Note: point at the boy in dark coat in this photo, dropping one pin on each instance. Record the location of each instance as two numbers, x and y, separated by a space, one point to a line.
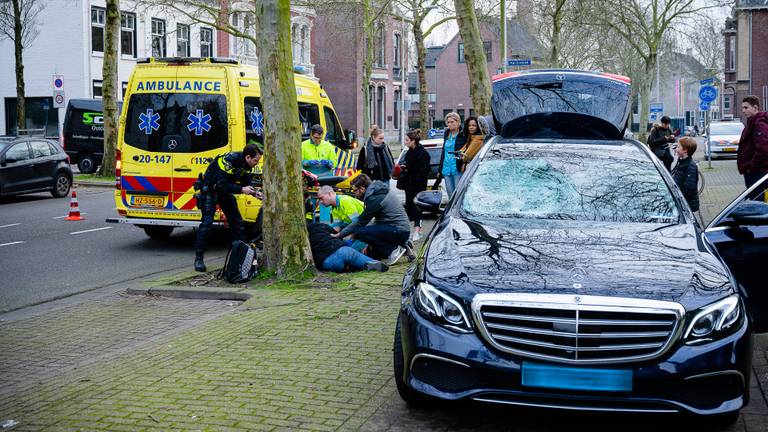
332 254
686 173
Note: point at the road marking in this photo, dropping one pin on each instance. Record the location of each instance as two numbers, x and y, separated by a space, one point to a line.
11 243
9 225
91 230
62 217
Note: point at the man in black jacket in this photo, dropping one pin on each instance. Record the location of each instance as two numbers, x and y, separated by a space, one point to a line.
332 254
686 173
226 175
659 140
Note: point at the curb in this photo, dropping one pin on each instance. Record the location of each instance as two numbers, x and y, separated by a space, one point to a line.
99 184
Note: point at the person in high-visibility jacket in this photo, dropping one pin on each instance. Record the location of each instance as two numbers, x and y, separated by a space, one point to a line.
344 208
317 154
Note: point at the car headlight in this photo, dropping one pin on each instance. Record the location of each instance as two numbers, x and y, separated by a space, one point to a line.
439 307
714 321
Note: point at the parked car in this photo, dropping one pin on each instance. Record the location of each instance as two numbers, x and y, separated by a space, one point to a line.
723 138
29 164
435 149
83 137
568 271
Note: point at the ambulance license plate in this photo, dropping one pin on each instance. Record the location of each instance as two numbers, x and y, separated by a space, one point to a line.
148 201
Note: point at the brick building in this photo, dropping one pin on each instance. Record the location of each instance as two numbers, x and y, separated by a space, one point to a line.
746 55
448 78
338 49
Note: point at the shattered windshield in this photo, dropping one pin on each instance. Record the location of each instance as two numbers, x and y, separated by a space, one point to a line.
569 185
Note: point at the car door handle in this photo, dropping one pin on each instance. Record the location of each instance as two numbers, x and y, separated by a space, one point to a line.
183 169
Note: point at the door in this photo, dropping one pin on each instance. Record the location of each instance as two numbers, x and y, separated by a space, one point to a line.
43 164
740 234
16 170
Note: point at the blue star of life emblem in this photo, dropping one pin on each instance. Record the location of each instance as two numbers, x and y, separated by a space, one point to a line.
257 121
148 121
199 122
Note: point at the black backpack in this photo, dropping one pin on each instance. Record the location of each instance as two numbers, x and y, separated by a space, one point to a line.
240 264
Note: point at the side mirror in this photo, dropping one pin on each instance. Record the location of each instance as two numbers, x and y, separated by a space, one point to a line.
2 160
429 201
754 213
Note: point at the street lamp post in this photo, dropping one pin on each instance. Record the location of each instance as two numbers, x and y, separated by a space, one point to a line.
403 81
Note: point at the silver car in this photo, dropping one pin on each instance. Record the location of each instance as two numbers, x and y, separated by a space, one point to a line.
723 138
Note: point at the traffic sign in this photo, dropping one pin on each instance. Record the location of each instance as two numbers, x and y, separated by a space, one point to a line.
656 107
58 98
707 93
704 106
518 62
653 116
708 81
58 82
431 133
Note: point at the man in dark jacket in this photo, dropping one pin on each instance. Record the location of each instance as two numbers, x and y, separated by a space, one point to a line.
331 254
686 173
388 236
752 159
226 175
659 140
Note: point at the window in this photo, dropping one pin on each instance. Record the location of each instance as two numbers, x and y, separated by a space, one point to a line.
250 49
309 115
396 51
40 115
97 88
461 52
379 47
128 34
124 89
380 107
396 110
488 50
333 132
371 106
194 122
460 112
446 112
98 18
40 149
158 38
17 153
727 102
732 53
206 42
182 40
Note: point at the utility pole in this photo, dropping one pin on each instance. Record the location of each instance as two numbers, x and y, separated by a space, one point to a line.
403 80
503 27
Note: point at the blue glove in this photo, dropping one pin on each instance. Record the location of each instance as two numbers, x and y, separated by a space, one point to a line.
326 164
311 163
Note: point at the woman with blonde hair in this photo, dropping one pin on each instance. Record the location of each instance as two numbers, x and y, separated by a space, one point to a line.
375 160
453 140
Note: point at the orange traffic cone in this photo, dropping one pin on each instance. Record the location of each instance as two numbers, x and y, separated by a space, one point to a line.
74 209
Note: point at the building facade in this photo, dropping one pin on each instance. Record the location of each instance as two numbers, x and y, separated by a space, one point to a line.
746 56
76 55
338 47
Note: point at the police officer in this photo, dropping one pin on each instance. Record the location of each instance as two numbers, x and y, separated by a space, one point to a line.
227 175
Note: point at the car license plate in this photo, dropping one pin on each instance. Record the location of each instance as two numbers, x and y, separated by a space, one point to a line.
148 201
730 149
576 378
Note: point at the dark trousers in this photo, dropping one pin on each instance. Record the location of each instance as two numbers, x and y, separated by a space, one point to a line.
414 214
228 205
382 239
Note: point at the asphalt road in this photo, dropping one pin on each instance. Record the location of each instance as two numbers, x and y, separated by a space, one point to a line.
43 257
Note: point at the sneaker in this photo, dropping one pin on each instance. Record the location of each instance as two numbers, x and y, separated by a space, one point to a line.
376 266
410 251
395 255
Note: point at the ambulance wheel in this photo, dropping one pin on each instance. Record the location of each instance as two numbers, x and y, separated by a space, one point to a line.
86 164
158 232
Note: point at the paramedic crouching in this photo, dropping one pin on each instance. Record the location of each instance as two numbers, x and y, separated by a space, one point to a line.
227 175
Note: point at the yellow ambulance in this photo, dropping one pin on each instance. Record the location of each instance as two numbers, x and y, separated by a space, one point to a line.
181 113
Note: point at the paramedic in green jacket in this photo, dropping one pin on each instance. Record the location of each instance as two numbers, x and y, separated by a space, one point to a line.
344 208
317 154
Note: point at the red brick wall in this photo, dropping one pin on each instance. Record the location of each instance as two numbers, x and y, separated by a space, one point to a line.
759 55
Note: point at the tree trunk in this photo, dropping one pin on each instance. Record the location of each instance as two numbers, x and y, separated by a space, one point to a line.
370 36
109 89
474 56
645 95
21 106
421 59
286 244
557 19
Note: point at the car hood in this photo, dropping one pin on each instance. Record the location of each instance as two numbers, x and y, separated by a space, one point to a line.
649 261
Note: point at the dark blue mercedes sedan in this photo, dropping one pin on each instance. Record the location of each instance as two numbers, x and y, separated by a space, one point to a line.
567 270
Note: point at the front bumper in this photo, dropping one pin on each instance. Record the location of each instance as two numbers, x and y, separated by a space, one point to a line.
706 379
722 149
